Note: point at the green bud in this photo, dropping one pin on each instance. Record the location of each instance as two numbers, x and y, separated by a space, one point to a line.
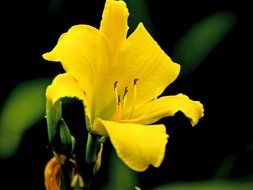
77 182
58 132
92 147
53 116
99 160
103 139
67 140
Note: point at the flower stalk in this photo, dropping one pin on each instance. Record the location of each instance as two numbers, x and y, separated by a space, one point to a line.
92 148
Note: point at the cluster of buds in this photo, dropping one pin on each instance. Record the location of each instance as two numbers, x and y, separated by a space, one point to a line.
62 169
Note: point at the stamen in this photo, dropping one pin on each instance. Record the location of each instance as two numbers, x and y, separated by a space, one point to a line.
115 84
118 102
124 98
116 98
148 110
125 92
116 92
134 97
118 111
136 80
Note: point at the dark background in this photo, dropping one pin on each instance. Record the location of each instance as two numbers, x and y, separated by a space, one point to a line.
31 28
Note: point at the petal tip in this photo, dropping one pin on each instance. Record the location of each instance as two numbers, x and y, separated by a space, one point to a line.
48 56
194 121
50 96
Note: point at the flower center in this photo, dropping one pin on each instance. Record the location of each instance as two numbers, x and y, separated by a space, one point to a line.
121 101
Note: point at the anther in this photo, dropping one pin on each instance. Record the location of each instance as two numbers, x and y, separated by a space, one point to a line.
135 81
118 100
134 97
115 84
124 98
116 92
125 92
118 109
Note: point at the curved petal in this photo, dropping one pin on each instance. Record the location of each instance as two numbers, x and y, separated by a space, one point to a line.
83 54
142 58
133 143
64 85
168 106
114 23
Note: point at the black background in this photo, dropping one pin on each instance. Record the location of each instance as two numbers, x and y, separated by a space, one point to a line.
31 28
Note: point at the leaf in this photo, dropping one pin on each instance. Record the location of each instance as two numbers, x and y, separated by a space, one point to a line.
209 185
24 106
201 39
226 166
139 13
120 176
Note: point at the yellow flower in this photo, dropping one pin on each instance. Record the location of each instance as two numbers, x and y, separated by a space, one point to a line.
119 79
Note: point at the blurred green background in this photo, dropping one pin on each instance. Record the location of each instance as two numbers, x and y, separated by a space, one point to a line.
204 37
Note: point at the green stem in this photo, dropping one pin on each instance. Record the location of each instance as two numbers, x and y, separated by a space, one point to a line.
91 148
91 157
65 178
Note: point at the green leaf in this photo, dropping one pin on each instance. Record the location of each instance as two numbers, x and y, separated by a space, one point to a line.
120 176
226 166
24 106
139 13
201 39
209 185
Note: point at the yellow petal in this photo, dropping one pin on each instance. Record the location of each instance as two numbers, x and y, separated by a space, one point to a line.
137 145
83 54
114 23
168 106
142 58
64 85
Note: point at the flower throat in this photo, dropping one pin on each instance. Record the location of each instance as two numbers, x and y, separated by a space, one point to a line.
121 101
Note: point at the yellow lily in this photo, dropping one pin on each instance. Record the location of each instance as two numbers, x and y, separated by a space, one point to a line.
119 79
